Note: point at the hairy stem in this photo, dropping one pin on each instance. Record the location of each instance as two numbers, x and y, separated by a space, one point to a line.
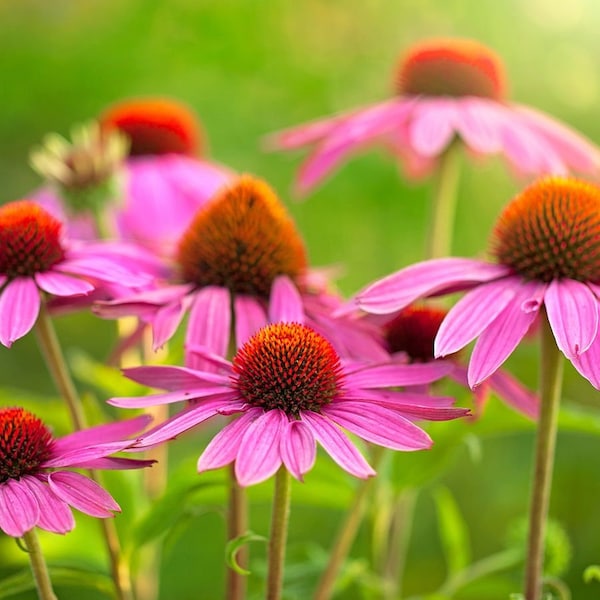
38 566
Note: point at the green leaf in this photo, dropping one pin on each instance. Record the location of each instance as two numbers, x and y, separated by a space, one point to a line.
591 573
453 531
234 545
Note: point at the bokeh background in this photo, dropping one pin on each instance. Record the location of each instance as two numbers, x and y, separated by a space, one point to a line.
249 68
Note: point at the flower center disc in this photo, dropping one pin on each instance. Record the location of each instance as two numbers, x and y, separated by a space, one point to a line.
241 240
552 230
413 331
29 239
24 443
287 366
156 126
453 67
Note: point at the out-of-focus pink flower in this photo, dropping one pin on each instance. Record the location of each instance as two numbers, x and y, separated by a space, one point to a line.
547 246
291 390
34 258
446 89
38 486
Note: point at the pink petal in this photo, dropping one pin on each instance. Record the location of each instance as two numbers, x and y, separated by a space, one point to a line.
572 312
588 363
175 378
55 514
209 324
183 395
116 463
477 125
19 508
378 424
337 445
433 126
285 304
250 316
258 456
514 393
223 448
103 269
471 315
62 285
165 322
19 309
398 374
80 456
83 494
302 135
423 279
298 449
497 342
187 419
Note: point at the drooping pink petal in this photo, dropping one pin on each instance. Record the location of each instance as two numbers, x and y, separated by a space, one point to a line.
298 448
223 448
250 316
209 324
285 304
187 419
503 335
514 393
304 134
398 374
165 322
174 378
398 400
19 509
19 309
433 125
423 279
55 514
337 444
572 312
109 432
62 285
259 456
80 456
222 365
588 363
116 463
477 124
471 315
378 424
104 270
183 395
83 494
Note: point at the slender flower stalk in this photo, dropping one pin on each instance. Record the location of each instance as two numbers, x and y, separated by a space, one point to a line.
443 203
279 529
551 372
237 525
57 366
38 566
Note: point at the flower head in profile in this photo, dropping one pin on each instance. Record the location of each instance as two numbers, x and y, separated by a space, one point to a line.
242 255
446 89
289 390
150 153
546 245
410 334
38 486
35 258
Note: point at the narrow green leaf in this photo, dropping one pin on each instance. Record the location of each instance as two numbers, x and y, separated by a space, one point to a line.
234 545
453 531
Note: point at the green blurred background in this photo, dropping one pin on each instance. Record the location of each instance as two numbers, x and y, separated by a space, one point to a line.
249 68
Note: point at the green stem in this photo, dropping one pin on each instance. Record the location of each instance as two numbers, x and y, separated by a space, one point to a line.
443 204
551 370
279 528
237 525
38 566
347 532
57 366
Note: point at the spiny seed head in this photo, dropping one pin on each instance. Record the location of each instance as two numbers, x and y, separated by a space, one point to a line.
155 126
551 230
25 443
30 239
287 366
242 240
413 331
451 67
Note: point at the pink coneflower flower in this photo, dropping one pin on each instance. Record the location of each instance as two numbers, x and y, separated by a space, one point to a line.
161 175
446 89
241 255
35 259
410 335
37 484
291 390
547 246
